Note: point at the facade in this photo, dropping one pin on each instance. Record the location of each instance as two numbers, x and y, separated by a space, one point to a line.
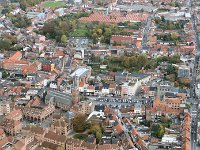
38 114
83 107
5 107
81 74
15 115
15 62
55 138
61 126
11 127
59 99
184 71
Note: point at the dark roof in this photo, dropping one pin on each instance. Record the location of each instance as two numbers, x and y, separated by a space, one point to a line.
99 108
169 94
106 85
55 136
153 88
49 145
91 139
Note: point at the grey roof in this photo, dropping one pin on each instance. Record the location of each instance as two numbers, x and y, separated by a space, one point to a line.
60 97
133 74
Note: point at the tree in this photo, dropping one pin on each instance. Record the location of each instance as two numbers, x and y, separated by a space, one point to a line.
158 130
59 148
5 45
63 39
174 36
162 18
133 61
96 129
142 60
79 123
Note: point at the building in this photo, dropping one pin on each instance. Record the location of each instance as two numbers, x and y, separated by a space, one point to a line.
115 17
15 115
184 71
82 107
59 99
61 126
37 113
38 132
186 128
72 144
11 127
5 107
53 140
121 39
15 62
81 74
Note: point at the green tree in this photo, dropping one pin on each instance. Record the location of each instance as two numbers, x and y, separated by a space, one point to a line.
79 123
59 148
142 60
96 129
162 18
133 61
63 39
158 130
5 45
125 61
174 36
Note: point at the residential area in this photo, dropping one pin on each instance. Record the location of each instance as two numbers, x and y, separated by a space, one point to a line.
96 75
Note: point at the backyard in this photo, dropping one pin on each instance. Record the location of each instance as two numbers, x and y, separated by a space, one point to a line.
53 4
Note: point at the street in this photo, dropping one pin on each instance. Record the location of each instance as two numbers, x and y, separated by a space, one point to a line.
194 100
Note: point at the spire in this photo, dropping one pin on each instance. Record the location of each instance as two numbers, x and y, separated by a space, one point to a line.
156 102
158 92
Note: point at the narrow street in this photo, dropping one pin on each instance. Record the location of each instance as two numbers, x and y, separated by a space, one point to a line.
146 30
194 99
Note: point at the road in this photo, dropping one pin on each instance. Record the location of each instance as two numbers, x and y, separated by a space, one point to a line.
146 30
194 100
126 131
119 102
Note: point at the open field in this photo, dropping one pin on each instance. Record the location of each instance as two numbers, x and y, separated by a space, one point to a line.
53 4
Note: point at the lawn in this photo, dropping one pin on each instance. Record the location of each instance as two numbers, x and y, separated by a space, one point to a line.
80 32
80 136
53 4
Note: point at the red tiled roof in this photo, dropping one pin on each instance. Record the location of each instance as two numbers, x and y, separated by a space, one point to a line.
116 17
118 129
1 131
134 132
16 56
121 38
81 84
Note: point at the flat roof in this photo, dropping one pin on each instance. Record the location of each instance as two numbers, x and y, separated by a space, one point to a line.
79 72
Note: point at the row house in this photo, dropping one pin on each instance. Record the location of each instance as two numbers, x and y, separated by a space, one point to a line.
115 17
15 115
167 106
11 127
72 144
62 126
2 134
26 141
9 64
38 132
186 132
54 138
82 107
15 62
5 107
